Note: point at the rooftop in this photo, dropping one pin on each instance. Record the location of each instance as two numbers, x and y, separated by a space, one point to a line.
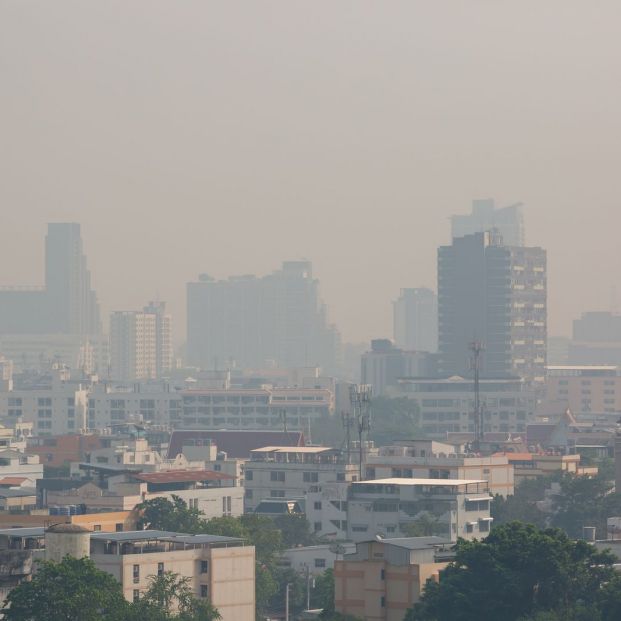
432 482
183 476
293 449
416 543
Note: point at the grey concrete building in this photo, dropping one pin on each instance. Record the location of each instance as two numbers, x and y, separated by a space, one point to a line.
415 320
249 321
494 294
508 221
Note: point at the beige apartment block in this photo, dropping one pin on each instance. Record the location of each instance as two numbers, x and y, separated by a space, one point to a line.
382 579
426 459
221 569
584 388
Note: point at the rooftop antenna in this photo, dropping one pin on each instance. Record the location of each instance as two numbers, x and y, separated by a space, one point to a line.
476 348
360 399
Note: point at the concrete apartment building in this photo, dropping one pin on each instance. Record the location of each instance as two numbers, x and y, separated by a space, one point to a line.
53 403
384 507
220 568
246 408
496 294
133 346
285 472
447 405
381 580
254 322
384 364
415 320
326 510
485 216
213 493
596 339
426 459
584 388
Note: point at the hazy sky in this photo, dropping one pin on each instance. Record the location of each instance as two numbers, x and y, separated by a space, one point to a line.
223 137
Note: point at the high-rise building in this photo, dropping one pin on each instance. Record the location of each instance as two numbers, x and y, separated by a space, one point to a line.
494 294
141 343
415 320
508 221
133 346
596 339
67 304
248 321
163 338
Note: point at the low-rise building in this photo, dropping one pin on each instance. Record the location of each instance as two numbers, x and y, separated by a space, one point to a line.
221 569
326 510
533 465
426 459
453 508
447 404
382 579
15 463
314 560
291 472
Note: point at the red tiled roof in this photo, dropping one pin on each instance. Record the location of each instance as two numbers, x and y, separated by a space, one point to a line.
182 476
236 444
13 480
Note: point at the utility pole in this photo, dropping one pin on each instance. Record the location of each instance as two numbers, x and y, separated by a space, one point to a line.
308 587
283 418
476 347
287 601
347 424
360 399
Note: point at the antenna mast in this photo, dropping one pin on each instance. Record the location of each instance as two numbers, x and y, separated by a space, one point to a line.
476 347
360 399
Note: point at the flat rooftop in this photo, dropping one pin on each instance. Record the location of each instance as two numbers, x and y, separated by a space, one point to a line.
434 482
293 449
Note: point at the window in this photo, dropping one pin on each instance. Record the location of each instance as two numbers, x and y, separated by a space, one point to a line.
136 595
97 527
383 601
136 573
370 473
204 567
320 562
160 569
340 476
310 477
277 476
317 527
249 475
248 494
119 527
204 590
277 493
469 527
483 526
317 505
383 574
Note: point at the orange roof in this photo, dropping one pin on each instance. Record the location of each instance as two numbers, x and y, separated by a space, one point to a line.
12 480
516 456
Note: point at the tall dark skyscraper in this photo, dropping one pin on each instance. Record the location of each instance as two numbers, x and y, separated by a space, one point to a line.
247 321
495 294
72 303
67 304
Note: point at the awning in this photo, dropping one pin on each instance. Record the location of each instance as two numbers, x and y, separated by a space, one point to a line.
475 498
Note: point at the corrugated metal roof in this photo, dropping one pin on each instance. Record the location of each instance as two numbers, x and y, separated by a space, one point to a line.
182 476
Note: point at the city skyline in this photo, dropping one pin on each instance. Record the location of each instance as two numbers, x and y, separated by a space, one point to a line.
353 154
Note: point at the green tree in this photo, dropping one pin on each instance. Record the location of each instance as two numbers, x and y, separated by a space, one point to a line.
170 598
72 590
425 525
226 526
265 589
323 593
172 515
295 530
517 571
264 536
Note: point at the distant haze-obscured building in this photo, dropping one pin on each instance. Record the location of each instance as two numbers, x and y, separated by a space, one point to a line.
246 321
415 320
384 365
596 339
508 221
494 294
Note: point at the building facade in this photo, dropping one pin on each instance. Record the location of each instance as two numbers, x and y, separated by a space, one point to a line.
133 346
447 405
253 322
415 320
508 221
285 472
387 507
494 294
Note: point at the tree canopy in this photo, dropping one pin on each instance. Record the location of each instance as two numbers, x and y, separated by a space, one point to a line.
520 572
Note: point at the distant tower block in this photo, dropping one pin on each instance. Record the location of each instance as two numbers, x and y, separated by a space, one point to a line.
67 540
